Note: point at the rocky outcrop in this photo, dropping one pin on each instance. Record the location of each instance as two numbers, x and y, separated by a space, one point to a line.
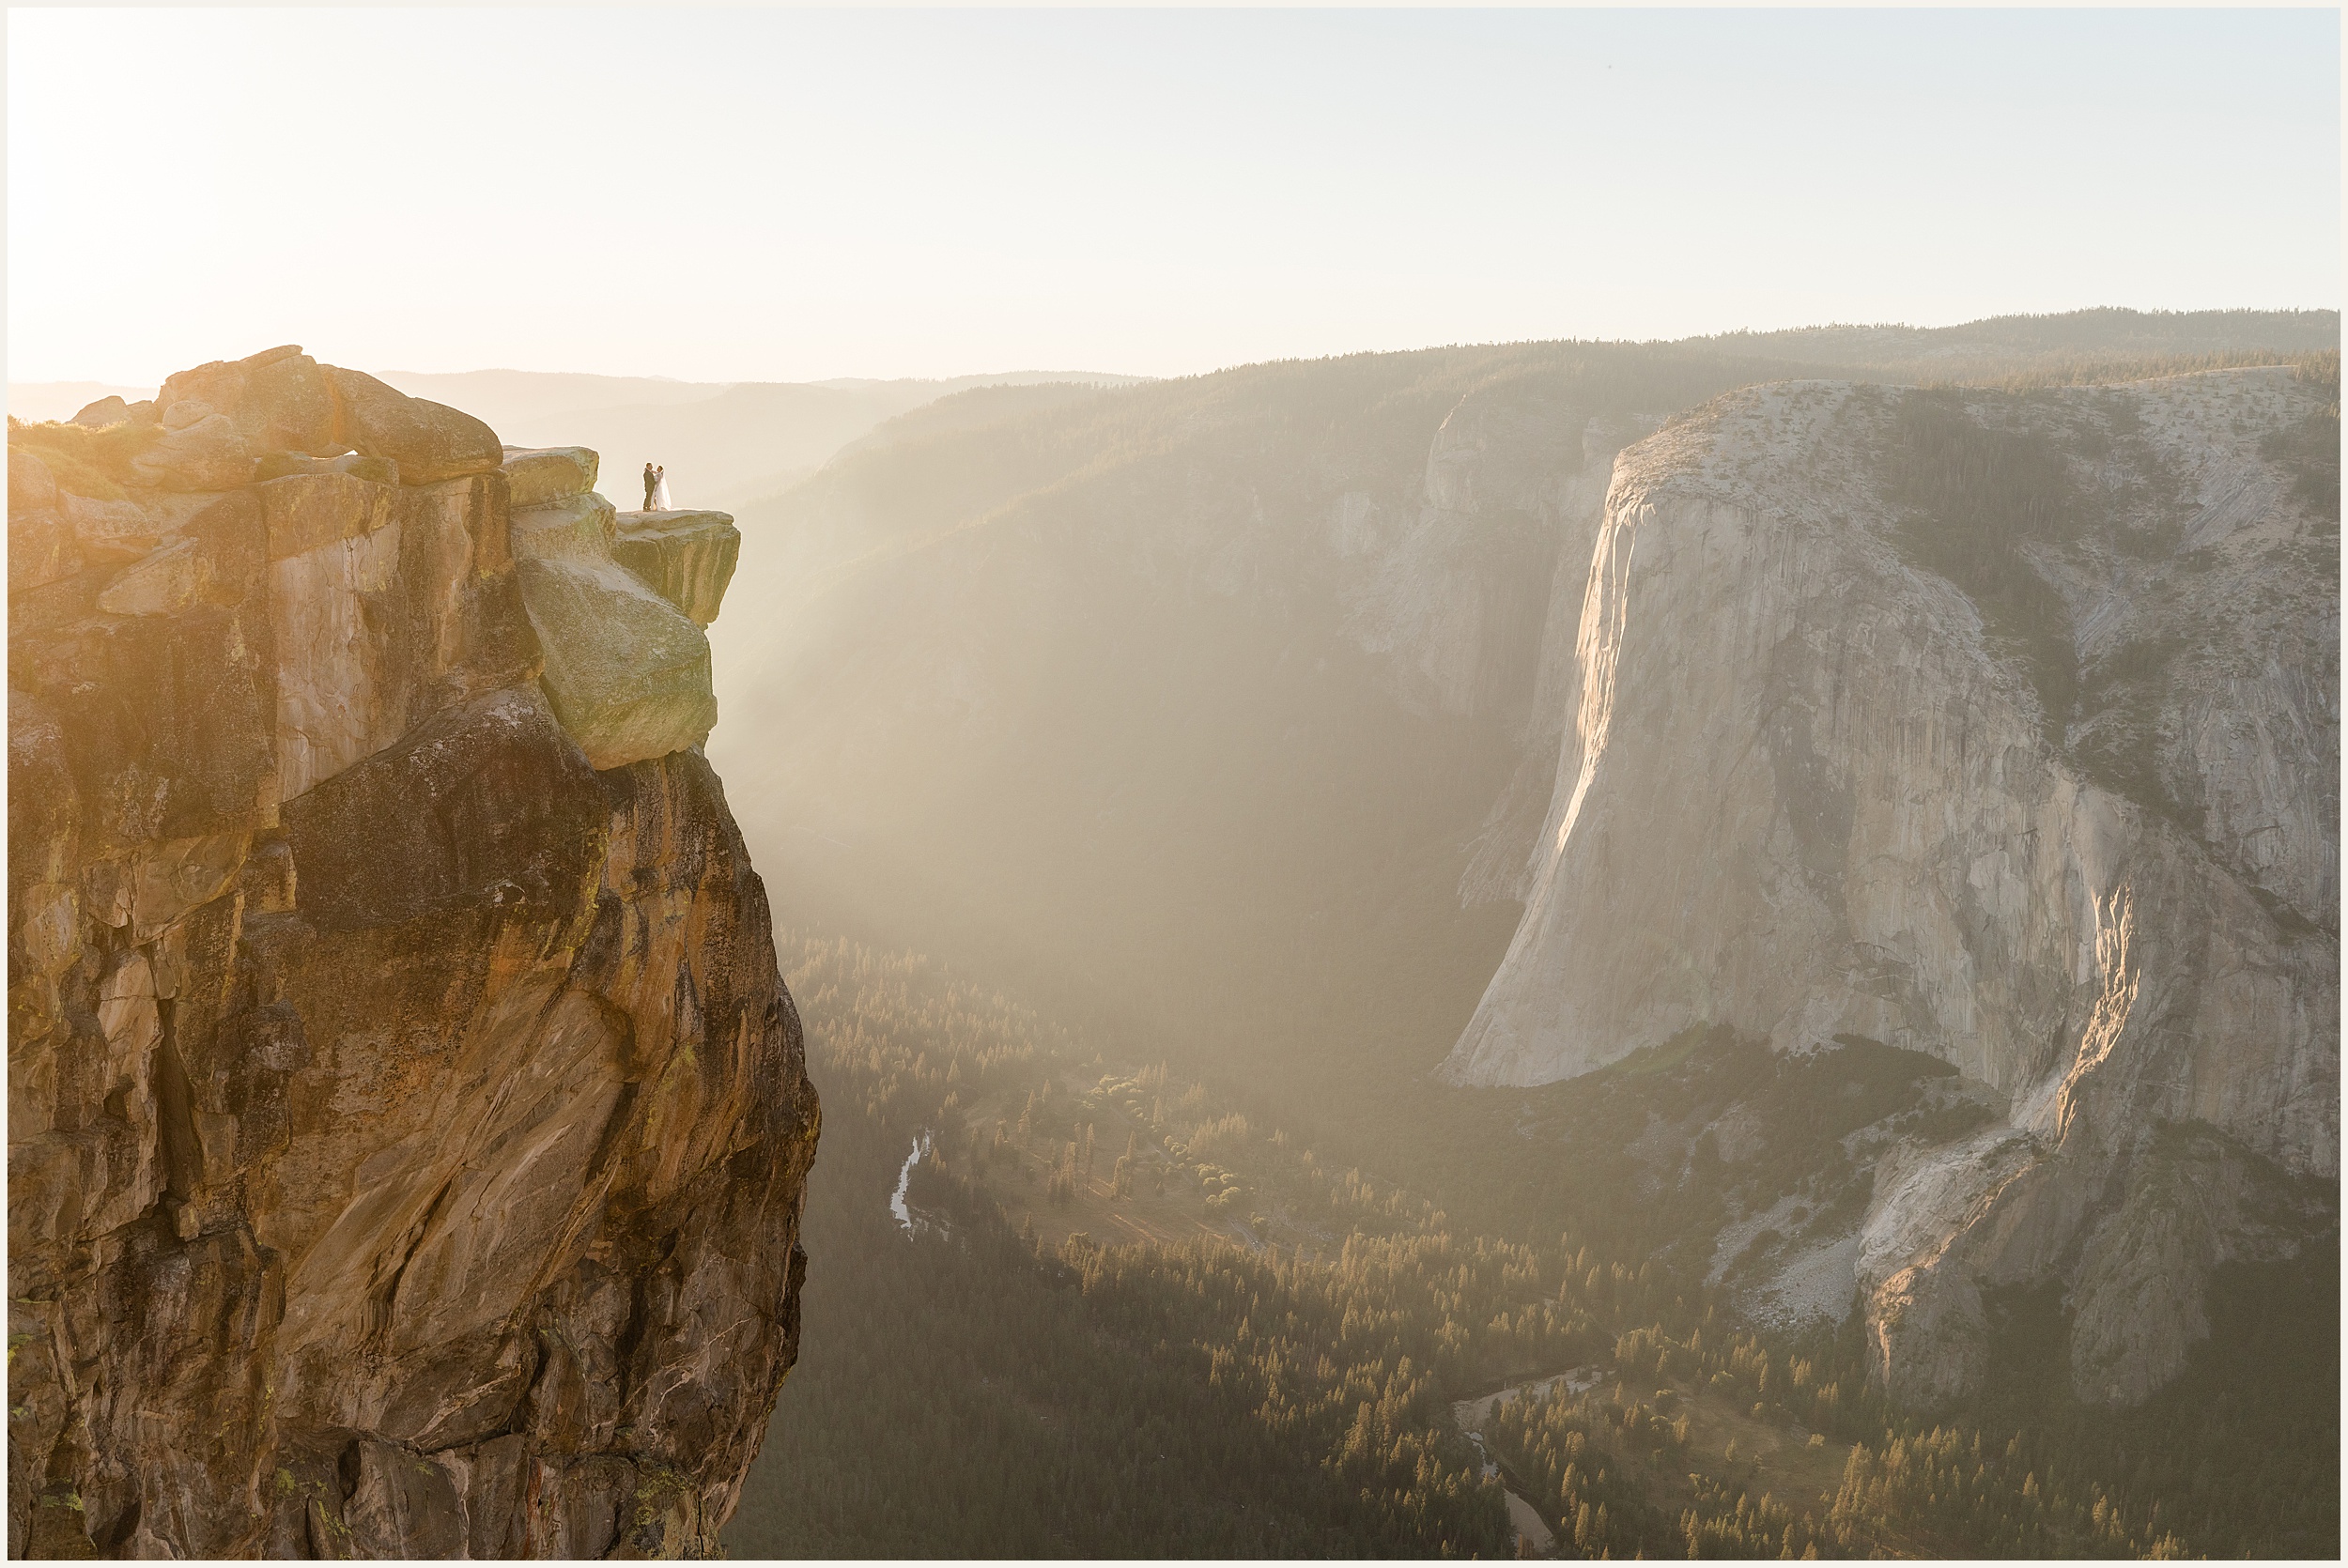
541 476
429 440
407 1120
627 673
628 667
2002 729
686 556
107 410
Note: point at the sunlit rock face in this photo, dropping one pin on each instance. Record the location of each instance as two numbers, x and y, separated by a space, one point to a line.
1209 678
687 557
544 475
2050 793
407 1120
627 668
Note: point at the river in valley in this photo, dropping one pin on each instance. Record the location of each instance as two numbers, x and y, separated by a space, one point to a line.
1472 1414
914 1224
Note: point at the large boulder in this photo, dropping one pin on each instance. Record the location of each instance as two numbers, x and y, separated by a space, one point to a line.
289 405
687 558
279 400
544 475
303 510
200 449
579 528
107 410
627 674
111 529
430 441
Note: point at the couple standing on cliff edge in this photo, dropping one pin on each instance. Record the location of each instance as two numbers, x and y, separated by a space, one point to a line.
656 489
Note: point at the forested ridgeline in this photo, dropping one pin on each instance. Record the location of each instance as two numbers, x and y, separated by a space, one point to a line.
2064 348
1128 1319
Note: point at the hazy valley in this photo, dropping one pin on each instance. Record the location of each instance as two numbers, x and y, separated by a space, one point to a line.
843 783
1724 947
1353 734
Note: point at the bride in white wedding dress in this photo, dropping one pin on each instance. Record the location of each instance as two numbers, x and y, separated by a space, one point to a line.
660 490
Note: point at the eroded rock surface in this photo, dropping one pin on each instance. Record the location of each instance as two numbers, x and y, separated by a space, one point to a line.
687 557
627 669
407 1120
1998 728
542 475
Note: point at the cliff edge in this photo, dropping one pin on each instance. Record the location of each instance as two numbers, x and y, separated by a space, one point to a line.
2000 726
407 1124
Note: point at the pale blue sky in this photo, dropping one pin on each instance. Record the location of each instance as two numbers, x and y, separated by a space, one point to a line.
737 195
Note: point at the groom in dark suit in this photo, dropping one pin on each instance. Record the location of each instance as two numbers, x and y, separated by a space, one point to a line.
648 484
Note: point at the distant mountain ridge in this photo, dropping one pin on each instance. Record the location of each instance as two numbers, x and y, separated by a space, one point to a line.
744 441
721 444
2066 333
1248 709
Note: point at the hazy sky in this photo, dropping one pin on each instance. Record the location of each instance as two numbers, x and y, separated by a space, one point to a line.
737 195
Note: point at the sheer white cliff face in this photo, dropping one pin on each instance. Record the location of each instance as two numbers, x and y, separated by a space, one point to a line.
1807 791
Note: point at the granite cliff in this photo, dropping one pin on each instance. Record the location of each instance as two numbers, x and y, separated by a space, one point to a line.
407 1121
2001 728
1985 729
